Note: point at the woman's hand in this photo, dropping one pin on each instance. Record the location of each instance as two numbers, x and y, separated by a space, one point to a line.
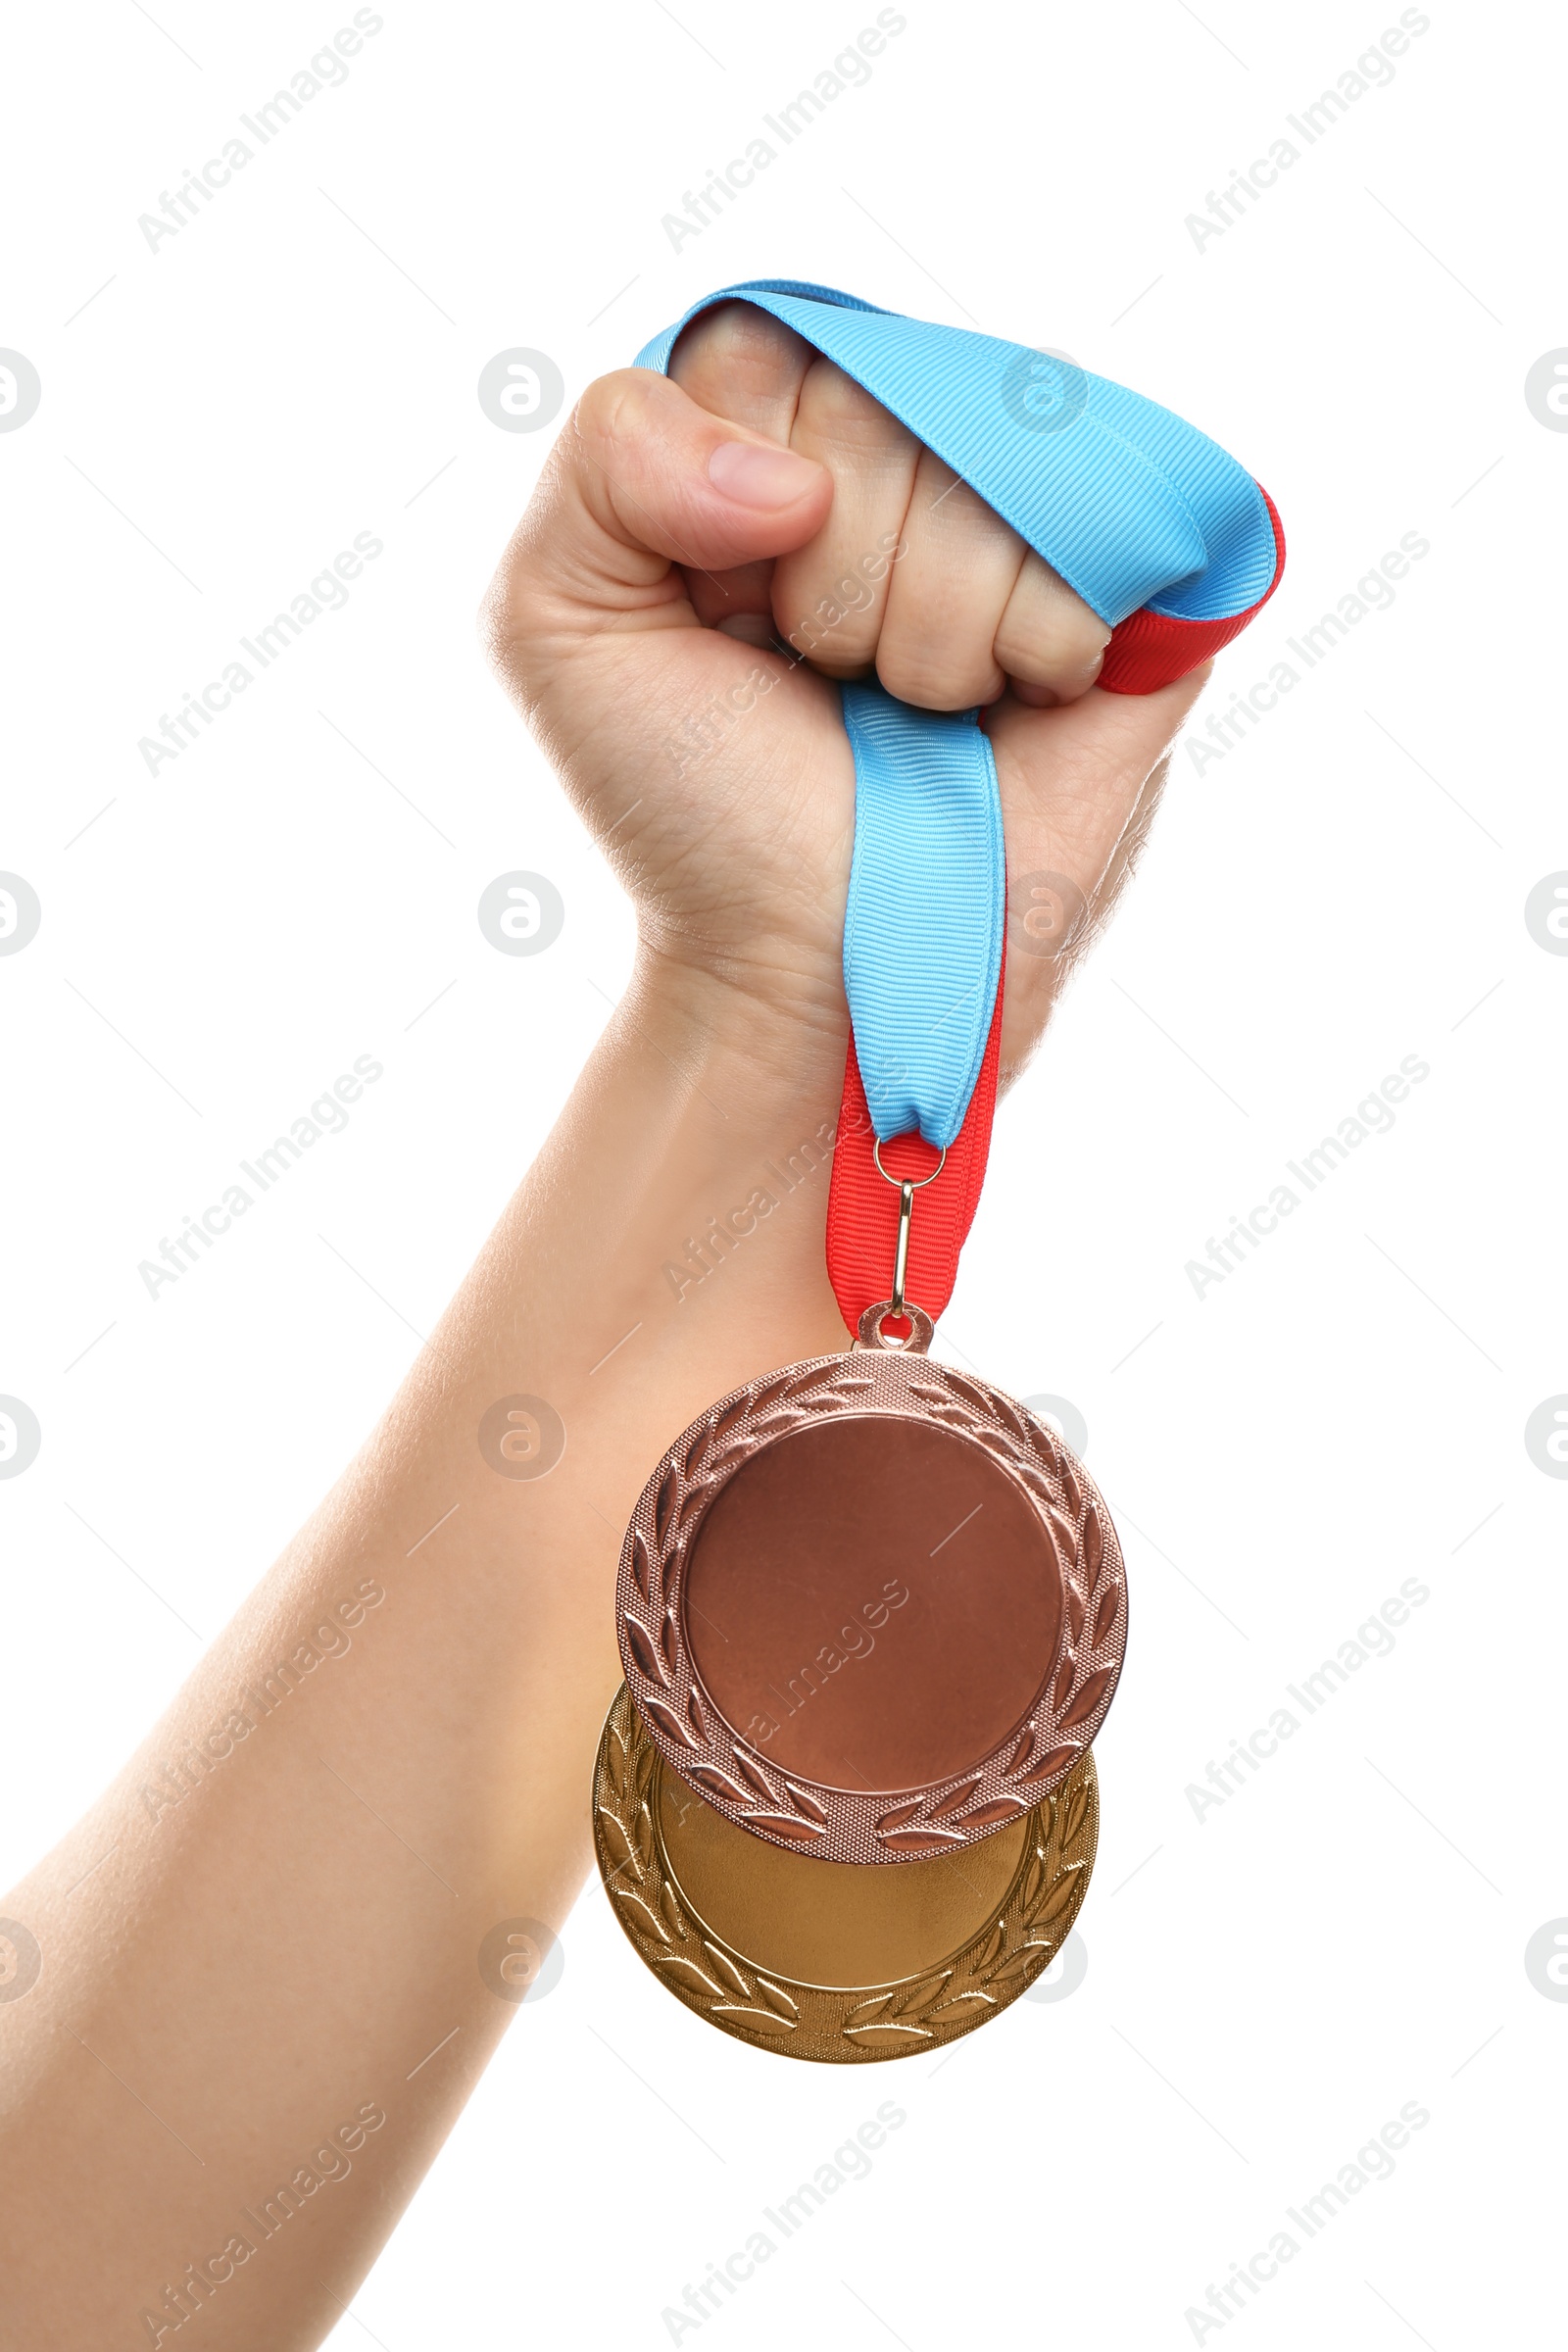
687 528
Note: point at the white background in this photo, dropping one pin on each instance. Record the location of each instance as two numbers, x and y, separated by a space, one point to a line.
1346 1933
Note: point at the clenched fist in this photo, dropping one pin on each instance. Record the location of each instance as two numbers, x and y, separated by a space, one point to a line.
706 554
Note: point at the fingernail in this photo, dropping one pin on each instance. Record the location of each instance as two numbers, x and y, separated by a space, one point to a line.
753 475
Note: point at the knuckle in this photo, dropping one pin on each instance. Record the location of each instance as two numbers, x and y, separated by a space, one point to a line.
828 612
615 408
834 407
923 676
1046 630
1050 648
1085 636
733 338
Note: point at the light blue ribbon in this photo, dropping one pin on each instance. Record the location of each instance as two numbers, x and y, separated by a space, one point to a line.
1133 508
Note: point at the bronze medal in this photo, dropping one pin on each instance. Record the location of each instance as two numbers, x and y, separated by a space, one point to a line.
822 1960
869 1608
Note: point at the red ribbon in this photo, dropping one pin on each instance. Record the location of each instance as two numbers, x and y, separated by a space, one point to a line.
1150 649
863 1206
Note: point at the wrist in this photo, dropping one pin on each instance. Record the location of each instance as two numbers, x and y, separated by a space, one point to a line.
774 1040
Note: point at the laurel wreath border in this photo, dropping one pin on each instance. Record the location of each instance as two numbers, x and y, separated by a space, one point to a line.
1032 1921
723 1767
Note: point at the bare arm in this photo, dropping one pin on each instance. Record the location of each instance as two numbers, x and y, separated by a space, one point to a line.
205 2031
205 2021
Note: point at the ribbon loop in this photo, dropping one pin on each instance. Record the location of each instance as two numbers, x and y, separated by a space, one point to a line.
1172 544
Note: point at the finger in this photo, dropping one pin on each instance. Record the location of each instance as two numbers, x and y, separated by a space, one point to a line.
1049 641
743 365
959 567
643 479
830 596
737 602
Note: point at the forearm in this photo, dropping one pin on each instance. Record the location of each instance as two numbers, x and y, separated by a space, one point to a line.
204 2021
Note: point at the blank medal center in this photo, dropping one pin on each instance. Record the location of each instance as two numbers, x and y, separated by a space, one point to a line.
873 1604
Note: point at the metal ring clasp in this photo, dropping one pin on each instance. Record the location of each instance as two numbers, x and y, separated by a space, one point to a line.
916 1184
907 1188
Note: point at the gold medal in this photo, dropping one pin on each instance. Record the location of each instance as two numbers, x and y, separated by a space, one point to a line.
831 1960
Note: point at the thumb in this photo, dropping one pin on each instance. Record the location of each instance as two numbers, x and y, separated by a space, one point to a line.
641 480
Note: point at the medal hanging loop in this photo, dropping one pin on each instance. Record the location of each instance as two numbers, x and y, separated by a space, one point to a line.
906 1187
870 1331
